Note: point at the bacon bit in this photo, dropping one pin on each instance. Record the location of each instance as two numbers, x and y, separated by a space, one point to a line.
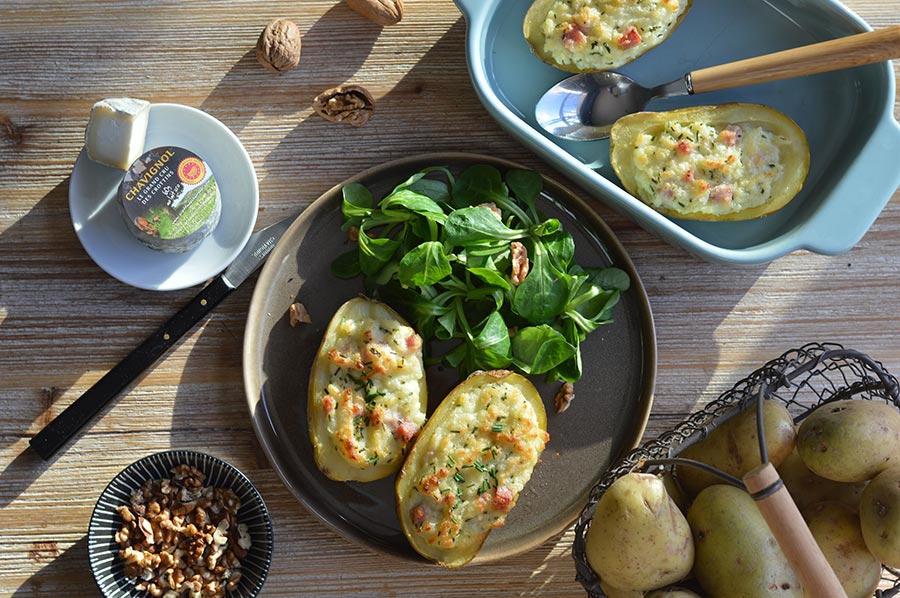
731 135
430 483
573 36
702 185
417 515
356 409
414 342
503 499
339 358
630 38
684 147
328 403
721 194
715 164
519 257
566 395
375 416
350 450
730 159
449 499
689 176
406 431
482 502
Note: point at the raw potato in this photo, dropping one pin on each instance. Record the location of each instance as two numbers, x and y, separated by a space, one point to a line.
806 488
469 464
367 393
638 539
736 553
648 133
835 526
850 440
733 447
879 514
583 36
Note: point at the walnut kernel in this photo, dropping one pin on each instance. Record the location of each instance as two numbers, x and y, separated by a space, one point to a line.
278 46
382 12
351 104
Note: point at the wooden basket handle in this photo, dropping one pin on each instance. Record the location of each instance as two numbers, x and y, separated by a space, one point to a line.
833 55
793 535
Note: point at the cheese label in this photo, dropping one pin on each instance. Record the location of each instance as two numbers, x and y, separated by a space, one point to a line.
169 194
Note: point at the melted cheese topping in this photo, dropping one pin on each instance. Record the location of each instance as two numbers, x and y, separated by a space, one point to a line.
698 167
602 34
475 465
372 402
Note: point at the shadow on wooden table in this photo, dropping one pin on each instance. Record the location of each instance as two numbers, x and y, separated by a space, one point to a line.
326 61
65 574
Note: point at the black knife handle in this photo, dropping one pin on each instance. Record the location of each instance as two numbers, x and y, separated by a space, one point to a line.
66 424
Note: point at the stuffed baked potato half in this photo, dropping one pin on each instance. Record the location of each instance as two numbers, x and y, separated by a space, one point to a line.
724 162
583 36
367 392
469 464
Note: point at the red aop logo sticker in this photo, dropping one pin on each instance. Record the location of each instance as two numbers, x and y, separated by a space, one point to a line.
191 171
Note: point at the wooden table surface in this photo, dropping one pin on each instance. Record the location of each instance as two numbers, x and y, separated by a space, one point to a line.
64 322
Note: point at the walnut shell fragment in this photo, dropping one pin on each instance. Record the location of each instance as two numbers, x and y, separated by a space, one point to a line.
278 46
351 104
382 12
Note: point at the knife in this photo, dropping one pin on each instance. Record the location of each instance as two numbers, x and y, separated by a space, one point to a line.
49 440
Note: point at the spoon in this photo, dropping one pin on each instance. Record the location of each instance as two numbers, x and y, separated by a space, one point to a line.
585 106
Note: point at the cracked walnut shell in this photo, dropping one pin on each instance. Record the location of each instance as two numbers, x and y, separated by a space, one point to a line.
351 104
382 12
278 46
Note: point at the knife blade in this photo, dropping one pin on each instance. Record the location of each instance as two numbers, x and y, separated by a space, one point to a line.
59 431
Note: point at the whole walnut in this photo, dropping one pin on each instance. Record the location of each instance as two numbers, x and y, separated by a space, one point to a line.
383 12
278 47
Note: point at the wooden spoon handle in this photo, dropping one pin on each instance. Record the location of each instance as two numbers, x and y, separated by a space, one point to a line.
836 54
793 535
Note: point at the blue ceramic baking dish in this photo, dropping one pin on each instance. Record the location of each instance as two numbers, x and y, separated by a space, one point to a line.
847 117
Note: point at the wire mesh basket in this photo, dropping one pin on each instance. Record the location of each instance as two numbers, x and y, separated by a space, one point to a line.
802 379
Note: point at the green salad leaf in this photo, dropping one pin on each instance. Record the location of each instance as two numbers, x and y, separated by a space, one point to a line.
439 249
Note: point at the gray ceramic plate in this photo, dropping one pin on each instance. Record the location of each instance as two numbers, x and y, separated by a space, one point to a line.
607 417
848 118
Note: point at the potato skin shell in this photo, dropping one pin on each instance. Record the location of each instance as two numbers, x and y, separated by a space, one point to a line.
626 130
328 460
405 485
531 29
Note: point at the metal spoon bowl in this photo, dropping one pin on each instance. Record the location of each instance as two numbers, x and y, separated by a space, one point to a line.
584 107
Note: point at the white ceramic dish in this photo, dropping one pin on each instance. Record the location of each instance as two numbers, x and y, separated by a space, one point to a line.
93 191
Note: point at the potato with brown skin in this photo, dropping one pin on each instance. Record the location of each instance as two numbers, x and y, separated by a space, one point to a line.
612 592
638 538
835 526
689 176
879 515
850 440
733 447
736 553
806 488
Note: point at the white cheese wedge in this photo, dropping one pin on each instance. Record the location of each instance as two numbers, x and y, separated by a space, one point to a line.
116 131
